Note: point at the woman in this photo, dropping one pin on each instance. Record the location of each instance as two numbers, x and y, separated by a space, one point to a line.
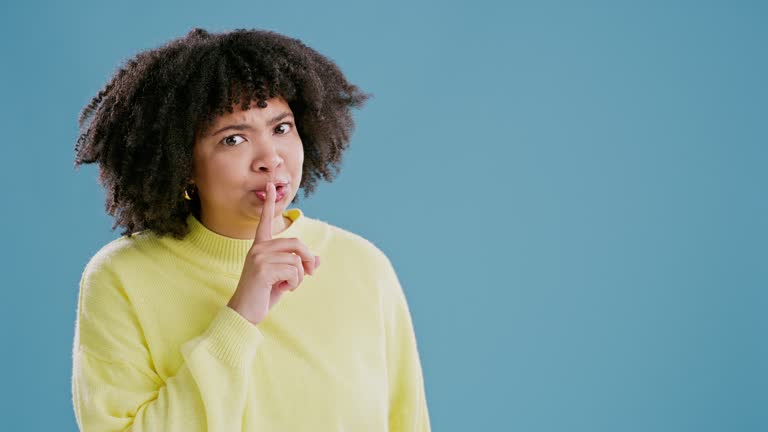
213 311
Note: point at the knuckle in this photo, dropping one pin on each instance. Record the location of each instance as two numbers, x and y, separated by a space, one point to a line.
299 274
257 260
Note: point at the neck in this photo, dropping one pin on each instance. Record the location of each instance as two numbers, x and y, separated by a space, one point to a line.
226 252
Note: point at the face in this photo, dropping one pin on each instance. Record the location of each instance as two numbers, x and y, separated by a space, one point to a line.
236 157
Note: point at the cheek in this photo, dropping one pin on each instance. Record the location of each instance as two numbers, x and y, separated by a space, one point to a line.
299 164
299 158
219 175
295 164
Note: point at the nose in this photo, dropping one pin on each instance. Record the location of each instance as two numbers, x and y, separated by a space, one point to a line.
266 159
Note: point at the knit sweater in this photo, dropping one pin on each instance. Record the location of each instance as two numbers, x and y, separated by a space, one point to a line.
157 349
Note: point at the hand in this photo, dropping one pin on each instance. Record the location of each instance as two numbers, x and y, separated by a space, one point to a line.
272 267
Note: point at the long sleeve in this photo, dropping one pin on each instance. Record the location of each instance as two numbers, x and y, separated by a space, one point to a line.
115 386
408 411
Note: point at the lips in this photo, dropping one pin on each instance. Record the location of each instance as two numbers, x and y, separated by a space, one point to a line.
277 184
281 190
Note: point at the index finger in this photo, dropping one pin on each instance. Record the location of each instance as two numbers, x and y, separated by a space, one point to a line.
264 229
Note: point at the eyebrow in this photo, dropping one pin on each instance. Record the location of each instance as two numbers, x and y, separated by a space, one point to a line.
244 126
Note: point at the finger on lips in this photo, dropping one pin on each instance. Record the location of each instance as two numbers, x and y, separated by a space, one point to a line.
264 229
310 262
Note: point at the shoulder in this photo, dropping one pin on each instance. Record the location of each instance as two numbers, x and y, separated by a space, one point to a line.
353 247
330 234
123 253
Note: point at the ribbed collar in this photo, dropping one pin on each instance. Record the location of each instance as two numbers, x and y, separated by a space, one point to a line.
225 253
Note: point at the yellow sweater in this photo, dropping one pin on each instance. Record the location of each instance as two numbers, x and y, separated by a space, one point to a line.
157 349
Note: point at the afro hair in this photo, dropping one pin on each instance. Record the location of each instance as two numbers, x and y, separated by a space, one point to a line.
142 125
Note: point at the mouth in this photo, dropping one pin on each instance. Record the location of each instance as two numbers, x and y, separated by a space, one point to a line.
281 191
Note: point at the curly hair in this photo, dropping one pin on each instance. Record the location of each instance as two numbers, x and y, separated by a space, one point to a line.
142 125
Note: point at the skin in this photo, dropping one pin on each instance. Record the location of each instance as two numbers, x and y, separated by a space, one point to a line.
230 164
272 267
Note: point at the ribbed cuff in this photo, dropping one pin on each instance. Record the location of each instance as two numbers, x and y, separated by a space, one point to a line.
232 338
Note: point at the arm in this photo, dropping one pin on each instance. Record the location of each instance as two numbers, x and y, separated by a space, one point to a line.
115 386
408 410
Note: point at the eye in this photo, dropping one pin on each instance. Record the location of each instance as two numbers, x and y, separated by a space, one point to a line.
227 141
289 124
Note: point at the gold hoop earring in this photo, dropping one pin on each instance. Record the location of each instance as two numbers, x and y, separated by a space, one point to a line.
186 195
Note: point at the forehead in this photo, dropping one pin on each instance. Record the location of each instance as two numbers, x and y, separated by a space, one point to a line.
254 114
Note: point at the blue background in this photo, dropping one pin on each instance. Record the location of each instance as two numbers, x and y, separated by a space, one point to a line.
573 197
